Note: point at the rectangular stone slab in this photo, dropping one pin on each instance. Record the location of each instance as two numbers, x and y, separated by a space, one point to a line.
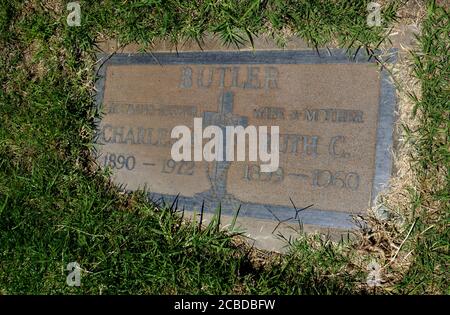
335 116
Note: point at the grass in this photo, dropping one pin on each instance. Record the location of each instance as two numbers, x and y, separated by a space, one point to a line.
55 209
430 141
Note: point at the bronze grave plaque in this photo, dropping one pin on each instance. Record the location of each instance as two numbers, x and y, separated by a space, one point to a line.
335 116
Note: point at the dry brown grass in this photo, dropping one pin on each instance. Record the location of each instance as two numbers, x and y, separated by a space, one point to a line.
387 241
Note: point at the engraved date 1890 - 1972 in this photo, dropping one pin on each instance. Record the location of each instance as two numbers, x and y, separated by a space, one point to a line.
128 162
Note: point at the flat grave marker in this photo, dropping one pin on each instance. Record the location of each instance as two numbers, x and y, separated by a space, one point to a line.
335 115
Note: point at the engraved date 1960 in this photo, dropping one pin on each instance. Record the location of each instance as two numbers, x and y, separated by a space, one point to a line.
318 178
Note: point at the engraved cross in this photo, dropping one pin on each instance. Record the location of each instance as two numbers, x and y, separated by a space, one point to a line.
222 118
